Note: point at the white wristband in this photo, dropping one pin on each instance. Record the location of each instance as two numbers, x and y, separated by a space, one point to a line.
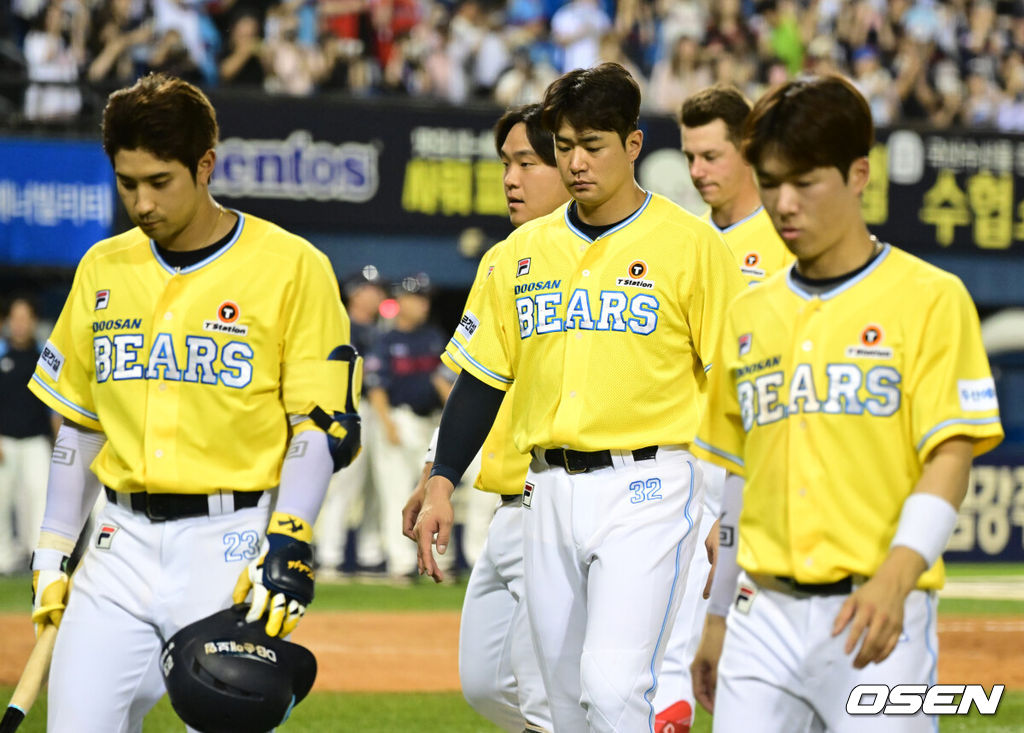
926 524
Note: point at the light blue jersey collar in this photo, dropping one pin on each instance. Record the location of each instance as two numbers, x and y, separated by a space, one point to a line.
621 225
744 220
841 287
204 262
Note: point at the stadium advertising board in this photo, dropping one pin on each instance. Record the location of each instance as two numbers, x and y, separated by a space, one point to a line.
395 167
56 199
931 192
990 525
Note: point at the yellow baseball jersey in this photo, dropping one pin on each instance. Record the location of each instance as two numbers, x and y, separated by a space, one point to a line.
829 406
759 250
191 372
608 340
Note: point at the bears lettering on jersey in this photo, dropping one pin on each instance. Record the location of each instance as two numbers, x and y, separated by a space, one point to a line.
614 310
118 358
848 389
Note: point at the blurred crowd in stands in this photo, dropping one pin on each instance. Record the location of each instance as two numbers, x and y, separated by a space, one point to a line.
936 62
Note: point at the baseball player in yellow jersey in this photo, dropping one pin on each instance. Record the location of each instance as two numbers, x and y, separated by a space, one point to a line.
848 398
712 123
712 126
604 312
497 666
198 361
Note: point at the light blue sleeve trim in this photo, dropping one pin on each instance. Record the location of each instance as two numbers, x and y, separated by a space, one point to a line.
708 368
956 421
493 375
721 453
64 401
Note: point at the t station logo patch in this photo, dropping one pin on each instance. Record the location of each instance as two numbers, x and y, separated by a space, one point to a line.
227 313
870 346
750 265
637 272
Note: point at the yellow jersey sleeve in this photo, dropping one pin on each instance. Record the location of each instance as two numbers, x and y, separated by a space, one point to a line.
63 377
950 378
721 437
479 344
315 324
721 281
483 270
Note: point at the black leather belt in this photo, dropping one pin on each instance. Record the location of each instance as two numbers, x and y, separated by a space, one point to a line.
578 461
839 588
165 507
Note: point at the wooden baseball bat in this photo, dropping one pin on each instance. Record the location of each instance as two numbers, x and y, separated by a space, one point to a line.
32 679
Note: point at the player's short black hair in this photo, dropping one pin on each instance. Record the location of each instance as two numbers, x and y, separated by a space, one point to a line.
719 102
816 122
539 137
165 116
603 97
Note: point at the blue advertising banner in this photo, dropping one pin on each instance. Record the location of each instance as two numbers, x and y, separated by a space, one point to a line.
56 200
990 525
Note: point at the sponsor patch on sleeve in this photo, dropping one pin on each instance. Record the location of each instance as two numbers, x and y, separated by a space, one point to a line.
977 395
51 361
468 325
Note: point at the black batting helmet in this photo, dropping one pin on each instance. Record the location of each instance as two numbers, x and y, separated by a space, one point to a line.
224 675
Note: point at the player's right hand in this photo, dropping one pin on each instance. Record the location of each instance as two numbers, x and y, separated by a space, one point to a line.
434 525
50 584
411 510
49 597
704 670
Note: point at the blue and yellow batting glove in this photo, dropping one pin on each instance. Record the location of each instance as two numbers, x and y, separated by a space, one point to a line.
281 578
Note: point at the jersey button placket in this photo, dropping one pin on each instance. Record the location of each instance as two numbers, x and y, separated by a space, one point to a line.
575 348
162 394
802 524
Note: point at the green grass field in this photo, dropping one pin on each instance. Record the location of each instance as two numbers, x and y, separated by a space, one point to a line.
447 712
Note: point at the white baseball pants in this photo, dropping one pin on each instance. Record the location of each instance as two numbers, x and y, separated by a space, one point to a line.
500 676
139 582
606 556
782 671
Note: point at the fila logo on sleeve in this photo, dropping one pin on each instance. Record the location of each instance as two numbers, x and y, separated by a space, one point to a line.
523 268
102 299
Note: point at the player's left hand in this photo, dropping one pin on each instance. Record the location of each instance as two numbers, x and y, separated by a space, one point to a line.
875 609
434 525
281 581
704 669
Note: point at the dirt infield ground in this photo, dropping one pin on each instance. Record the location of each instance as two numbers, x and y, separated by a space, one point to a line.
416 651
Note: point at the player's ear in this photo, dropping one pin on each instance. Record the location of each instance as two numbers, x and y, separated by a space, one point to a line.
858 175
633 143
204 169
